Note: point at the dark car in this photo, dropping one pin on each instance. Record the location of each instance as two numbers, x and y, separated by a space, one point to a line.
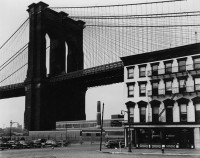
3 145
115 144
25 144
10 144
38 143
17 145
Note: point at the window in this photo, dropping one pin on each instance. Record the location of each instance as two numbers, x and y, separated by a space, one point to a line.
155 88
155 113
169 114
142 110
156 136
182 85
88 134
130 72
182 65
197 112
142 114
130 87
197 63
131 114
168 85
142 71
183 113
143 89
143 136
168 68
197 84
155 69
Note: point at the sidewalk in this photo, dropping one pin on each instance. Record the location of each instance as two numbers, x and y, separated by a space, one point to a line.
184 152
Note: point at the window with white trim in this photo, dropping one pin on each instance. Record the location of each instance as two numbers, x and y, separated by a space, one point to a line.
130 87
197 83
142 71
130 72
183 112
197 63
197 112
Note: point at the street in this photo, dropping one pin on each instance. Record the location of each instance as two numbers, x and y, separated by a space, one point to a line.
85 151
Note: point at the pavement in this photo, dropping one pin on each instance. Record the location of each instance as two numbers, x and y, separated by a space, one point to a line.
170 152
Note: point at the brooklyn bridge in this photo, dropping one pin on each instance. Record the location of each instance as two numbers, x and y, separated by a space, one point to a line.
58 52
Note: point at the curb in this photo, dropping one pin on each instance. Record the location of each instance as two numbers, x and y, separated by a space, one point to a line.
166 154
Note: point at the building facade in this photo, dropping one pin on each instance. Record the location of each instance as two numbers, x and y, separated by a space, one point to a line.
163 88
89 130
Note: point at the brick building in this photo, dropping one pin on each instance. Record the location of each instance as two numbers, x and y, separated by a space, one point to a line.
163 88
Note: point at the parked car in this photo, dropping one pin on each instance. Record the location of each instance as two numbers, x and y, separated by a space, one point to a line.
63 143
10 144
115 144
38 143
17 145
51 143
3 145
25 144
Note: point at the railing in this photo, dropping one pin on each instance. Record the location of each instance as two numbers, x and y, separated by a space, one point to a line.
174 90
12 86
90 71
170 70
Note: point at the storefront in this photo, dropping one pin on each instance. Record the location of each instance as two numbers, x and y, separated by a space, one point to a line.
156 137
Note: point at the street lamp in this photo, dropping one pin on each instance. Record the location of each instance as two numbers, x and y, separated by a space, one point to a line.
129 105
11 123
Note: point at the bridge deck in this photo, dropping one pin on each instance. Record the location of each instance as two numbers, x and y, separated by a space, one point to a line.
105 74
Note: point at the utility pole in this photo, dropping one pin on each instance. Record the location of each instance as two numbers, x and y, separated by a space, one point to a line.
101 126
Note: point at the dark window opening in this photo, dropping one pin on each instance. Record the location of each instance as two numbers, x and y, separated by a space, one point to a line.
169 114
197 112
197 63
197 84
156 136
142 114
168 87
154 69
142 71
155 88
143 136
182 65
143 89
183 113
168 68
88 134
182 86
155 114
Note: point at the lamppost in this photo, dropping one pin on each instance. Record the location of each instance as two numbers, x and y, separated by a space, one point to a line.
129 105
129 129
11 123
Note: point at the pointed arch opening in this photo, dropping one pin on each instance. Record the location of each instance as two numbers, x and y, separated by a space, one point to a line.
155 104
66 55
196 102
169 104
47 53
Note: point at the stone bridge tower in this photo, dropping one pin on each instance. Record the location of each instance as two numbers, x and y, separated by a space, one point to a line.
48 102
